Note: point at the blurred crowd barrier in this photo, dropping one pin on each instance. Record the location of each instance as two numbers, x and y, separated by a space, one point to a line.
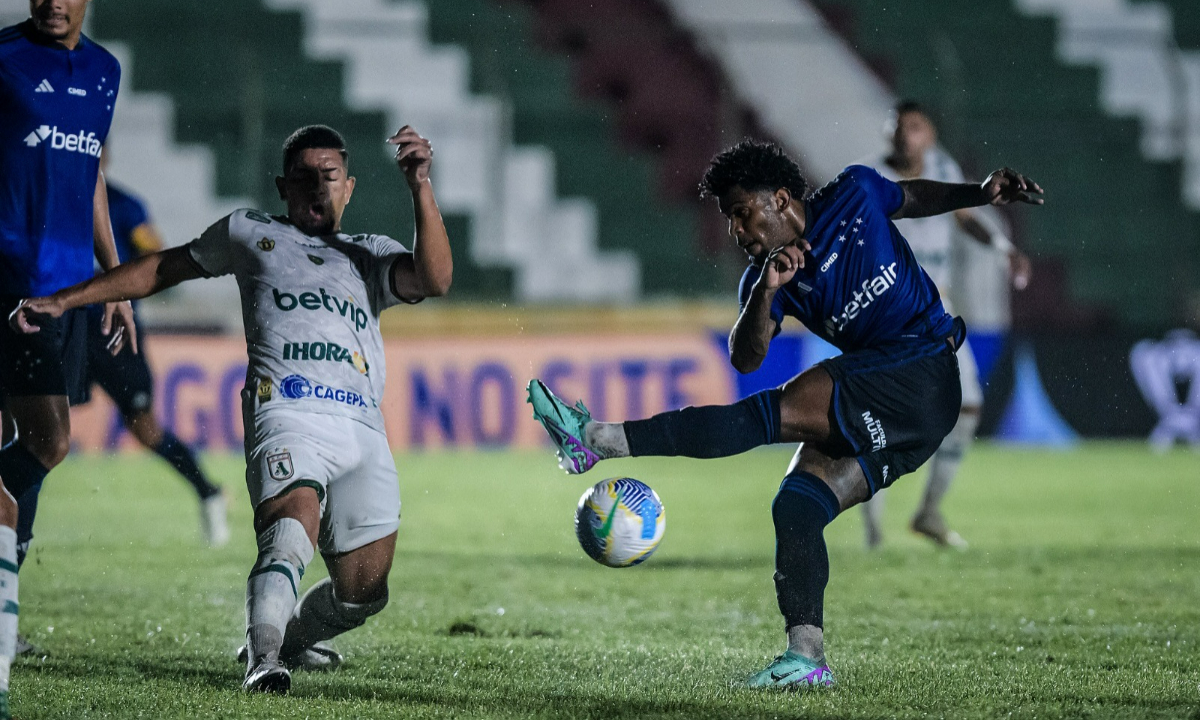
456 376
458 382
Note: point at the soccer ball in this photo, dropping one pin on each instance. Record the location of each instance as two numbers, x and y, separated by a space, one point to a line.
619 522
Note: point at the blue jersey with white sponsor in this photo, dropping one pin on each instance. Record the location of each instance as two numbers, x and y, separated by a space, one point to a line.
56 106
861 286
128 214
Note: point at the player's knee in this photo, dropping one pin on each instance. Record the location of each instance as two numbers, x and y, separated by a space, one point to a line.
8 508
301 504
804 505
50 449
353 614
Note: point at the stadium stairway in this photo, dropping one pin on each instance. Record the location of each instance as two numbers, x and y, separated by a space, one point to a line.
509 192
668 101
1111 213
1144 71
545 112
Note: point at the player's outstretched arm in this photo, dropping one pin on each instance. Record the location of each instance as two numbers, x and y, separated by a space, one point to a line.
430 269
118 317
138 279
755 328
923 198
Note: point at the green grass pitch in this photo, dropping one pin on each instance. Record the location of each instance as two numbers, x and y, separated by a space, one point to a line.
1079 597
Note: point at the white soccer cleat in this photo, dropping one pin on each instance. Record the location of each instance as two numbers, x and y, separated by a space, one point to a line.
213 521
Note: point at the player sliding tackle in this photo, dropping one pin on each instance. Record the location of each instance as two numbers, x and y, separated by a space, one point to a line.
318 465
835 262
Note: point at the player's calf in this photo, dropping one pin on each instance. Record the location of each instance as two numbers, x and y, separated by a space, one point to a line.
321 615
802 509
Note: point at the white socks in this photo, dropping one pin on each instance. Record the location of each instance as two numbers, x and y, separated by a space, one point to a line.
283 552
8 602
944 465
872 514
320 615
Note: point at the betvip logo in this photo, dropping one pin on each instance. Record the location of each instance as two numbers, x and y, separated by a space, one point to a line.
88 143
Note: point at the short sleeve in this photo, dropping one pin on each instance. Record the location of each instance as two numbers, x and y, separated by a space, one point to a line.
384 253
212 252
747 286
945 169
884 193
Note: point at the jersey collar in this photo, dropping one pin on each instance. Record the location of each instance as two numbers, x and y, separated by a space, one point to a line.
30 31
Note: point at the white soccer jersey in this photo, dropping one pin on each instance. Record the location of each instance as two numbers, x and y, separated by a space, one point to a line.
311 309
929 237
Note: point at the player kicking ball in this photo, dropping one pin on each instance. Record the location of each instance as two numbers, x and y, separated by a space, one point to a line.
834 261
318 465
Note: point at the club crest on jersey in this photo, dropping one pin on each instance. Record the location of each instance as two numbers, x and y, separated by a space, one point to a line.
266 244
266 389
298 387
279 465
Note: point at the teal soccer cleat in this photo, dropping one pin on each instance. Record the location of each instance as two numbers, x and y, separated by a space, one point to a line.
565 425
793 672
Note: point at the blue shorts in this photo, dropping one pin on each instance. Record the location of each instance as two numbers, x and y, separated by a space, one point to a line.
50 362
124 377
892 407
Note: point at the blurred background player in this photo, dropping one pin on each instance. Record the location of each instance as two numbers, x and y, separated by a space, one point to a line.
915 154
318 465
57 91
126 377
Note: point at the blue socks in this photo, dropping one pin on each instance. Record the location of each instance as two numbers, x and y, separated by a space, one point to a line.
23 475
802 509
712 431
183 460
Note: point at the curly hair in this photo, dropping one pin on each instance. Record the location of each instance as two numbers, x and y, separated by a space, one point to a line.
313 136
753 166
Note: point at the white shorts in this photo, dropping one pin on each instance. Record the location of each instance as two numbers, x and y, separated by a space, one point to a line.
968 375
347 462
968 371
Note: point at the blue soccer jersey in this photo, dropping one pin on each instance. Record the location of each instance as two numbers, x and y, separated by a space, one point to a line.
861 286
57 108
128 214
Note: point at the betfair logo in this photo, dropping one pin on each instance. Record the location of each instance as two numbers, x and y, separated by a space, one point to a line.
311 301
86 143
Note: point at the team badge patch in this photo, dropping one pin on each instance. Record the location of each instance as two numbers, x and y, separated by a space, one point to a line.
266 244
359 362
266 389
317 260
279 465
